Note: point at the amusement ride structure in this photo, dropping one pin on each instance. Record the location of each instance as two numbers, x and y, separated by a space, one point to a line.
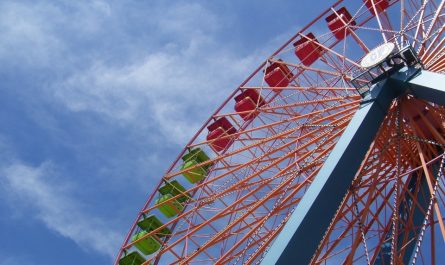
330 152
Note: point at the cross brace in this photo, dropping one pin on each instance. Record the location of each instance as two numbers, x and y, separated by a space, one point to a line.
304 230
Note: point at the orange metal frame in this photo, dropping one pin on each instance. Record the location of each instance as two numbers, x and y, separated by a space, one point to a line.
235 213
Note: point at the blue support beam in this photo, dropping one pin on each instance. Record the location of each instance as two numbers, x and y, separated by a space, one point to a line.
429 86
302 233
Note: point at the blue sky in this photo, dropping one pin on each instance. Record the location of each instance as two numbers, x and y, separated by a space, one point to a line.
98 97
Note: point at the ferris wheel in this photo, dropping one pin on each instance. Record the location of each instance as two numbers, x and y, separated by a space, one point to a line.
330 152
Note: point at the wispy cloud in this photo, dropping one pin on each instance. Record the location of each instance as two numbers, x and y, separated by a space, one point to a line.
172 87
40 191
157 73
185 19
170 83
21 29
7 259
39 33
168 89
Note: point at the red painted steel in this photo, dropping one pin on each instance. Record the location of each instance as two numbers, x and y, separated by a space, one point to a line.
307 49
277 129
278 75
219 134
339 22
380 5
247 102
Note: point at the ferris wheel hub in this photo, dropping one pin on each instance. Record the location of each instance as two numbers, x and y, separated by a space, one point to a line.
382 62
293 165
377 55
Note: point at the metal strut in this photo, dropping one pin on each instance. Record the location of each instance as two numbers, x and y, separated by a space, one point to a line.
301 235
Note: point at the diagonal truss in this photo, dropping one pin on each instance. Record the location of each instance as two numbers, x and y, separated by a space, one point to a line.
305 229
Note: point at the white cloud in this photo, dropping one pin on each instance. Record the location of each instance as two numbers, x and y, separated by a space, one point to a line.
168 89
7 151
25 38
185 19
171 87
39 192
33 34
175 73
10 260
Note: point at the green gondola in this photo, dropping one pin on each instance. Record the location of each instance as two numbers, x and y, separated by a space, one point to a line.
174 188
132 258
193 158
170 208
151 223
148 245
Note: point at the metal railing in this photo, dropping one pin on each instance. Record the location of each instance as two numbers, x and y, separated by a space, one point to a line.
404 57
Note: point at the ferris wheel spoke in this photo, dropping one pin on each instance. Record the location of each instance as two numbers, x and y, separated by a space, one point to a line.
439 67
304 88
255 246
345 232
314 70
435 19
437 135
345 211
372 197
353 34
271 213
389 30
403 200
361 238
430 180
420 27
252 153
436 55
383 228
172 244
299 107
297 189
374 8
326 58
216 237
280 160
365 206
429 58
438 64
288 144
415 12
430 48
347 107
402 20
430 29
338 55
254 230
433 51
309 102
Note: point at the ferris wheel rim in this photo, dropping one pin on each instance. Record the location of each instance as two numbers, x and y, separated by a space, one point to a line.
215 114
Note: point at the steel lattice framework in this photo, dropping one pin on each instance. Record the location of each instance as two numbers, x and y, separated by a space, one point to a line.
243 175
